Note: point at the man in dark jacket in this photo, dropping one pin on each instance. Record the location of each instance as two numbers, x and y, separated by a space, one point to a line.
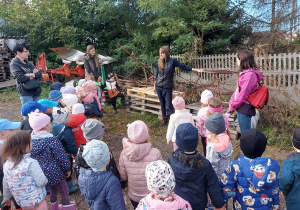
194 174
25 71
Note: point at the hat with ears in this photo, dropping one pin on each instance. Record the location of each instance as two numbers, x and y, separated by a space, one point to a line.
78 108
205 95
215 123
67 89
60 115
93 129
187 137
38 120
55 95
110 75
137 132
69 99
296 138
178 103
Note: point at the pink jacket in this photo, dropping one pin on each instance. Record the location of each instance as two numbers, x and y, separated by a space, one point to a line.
132 165
200 121
150 203
248 84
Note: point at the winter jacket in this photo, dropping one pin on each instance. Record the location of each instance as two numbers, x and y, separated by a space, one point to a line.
50 154
101 190
219 153
150 203
80 163
164 79
66 137
18 70
90 111
179 117
25 126
90 66
253 183
289 181
247 83
200 121
113 88
76 121
132 165
195 177
26 181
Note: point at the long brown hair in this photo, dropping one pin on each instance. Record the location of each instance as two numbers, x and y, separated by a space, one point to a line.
246 60
88 49
161 62
15 146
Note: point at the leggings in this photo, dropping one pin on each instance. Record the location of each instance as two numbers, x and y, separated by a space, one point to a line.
61 188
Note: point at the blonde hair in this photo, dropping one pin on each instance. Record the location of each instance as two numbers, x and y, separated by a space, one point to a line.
81 96
212 137
88 49
90 77
162 62
214 103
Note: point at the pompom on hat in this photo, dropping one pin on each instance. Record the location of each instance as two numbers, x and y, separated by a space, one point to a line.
137 132
178 103
205 95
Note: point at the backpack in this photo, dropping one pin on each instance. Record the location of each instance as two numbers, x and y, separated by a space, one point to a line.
260 97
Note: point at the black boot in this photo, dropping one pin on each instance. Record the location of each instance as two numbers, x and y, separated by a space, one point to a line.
124 103
115 111
164 121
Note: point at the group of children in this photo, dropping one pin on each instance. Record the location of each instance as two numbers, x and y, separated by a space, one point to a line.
60 132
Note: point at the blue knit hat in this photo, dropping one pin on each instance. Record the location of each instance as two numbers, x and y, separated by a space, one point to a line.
56 86
47 102
54 95
215 123
187 137
31 106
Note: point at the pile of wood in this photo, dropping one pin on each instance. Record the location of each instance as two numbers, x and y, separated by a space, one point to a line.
5 56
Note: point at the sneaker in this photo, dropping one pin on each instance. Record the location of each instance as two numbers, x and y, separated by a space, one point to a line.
115 111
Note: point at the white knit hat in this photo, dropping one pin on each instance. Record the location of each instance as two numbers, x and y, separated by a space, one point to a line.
81 81
69 99
205 95
78 108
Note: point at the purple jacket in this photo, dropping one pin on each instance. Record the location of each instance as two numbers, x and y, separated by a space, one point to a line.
248 84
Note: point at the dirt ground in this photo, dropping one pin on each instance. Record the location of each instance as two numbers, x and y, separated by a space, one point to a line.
11 111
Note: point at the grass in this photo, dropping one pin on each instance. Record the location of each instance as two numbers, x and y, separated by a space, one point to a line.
9 94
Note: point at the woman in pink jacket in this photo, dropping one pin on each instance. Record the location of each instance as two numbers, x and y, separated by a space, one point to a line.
161 183
246 84
135 156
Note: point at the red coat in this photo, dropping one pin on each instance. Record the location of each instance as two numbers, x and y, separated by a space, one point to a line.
76 121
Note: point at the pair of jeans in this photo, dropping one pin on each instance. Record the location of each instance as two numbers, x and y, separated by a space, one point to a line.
244 121
165 97
25 99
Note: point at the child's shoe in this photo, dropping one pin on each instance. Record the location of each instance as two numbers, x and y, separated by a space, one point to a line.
115 111
54 206
164 122
71 206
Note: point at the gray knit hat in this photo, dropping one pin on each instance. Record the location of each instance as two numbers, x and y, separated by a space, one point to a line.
215 123
93 129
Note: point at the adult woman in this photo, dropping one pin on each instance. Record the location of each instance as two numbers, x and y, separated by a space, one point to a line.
246 84
163 85
24 72
91 63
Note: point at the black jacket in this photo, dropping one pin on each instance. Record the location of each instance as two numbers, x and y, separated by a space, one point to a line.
18 70
90 110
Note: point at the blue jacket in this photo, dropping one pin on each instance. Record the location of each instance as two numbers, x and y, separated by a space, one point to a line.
253 183
195 177
101 189
289 181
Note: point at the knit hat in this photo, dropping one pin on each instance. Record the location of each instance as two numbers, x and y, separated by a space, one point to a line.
205 95
93 129
78 108
96 154
215 123
67 89
38 120
56 86
69 99
110 75
81 81
137 131
88 97
187 137
253 143
31 106
296 138
160 178
48 103
178 103
6 124
60 115
55 95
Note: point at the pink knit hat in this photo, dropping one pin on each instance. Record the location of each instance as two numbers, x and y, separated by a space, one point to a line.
137 131
88 97
37 120
205 95
178 103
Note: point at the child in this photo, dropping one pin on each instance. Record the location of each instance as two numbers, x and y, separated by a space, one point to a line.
93 130
91 111
114 91
219 147
201 117
28 107
23 176
289 181
61 118
49 152
194 174
161 183
50 105
90 99
56 86
252 179
136 154
216 105
180 116
100 187
77 118
56 95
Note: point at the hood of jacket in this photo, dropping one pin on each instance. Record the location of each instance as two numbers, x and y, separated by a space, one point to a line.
57 128
76 120
258 74
41 142
294 163
135 152
223 145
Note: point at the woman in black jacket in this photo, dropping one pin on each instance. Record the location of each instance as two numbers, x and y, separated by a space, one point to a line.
91 63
